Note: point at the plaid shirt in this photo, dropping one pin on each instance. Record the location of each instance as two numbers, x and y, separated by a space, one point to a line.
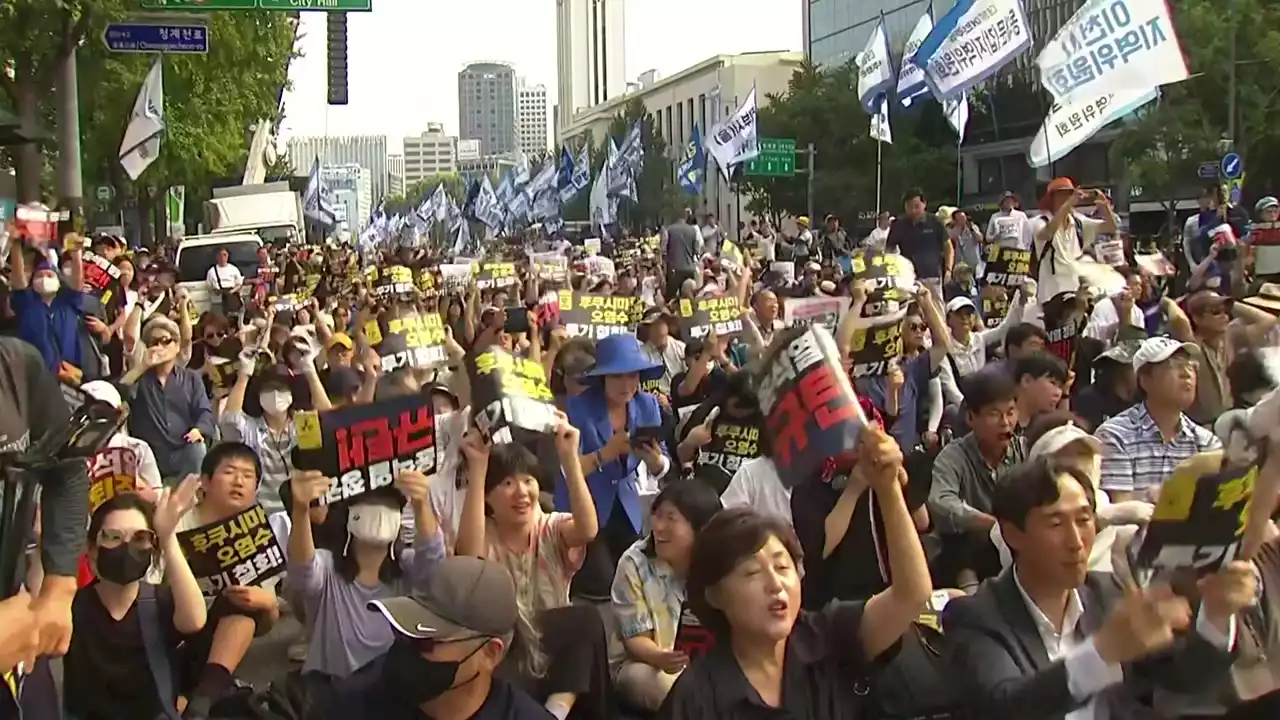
1135 457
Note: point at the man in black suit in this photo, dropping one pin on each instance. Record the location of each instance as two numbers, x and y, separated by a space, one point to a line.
1047 639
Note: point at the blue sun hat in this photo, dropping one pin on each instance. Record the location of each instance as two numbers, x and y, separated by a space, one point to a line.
621 355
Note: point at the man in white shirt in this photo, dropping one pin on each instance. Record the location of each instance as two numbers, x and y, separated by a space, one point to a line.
1062 235
1010 226
1111 313
878 236
224 279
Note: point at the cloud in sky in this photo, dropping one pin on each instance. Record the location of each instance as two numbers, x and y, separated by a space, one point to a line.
404 57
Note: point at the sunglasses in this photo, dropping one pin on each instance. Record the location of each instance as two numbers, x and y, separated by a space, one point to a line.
215 335
160 342
918 327
143 539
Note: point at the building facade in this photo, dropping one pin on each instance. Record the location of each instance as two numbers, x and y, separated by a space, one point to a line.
590 55
395 175
431 153
367 151
703 95
532 117
835 31
352 188
487 106
495 166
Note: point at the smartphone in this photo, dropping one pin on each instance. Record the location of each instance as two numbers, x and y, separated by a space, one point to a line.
651 433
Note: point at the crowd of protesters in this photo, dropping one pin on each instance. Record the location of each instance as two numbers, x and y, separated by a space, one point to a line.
972 557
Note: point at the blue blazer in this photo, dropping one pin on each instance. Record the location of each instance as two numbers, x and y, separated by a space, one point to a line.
615 479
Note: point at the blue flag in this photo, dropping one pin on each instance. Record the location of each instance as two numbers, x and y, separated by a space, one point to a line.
692 171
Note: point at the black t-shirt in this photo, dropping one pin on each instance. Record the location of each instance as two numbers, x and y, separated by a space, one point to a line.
106 673
362 696
920 242
712 385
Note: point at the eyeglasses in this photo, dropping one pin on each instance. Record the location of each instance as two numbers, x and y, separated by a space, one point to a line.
160 342
215 335
143 539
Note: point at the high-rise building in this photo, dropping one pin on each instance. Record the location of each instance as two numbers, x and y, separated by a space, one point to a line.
367 151
351 188
431 153
837 30
532 116
395 175
590 55
487 106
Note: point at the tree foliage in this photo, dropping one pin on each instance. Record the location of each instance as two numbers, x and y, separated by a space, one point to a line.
414 194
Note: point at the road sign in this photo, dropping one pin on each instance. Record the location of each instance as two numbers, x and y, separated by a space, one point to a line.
777 158
1207 171
169 38
325 5
104 193
1232 166
1235 188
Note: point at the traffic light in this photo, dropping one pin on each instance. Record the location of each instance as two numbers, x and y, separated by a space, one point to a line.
337 58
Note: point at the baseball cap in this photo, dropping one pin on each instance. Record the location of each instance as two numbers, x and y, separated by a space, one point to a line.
1157 350
653 314
959 303
103 391
1122 352
1060 437
342 382
463 596
1203 301
1266 202
342 339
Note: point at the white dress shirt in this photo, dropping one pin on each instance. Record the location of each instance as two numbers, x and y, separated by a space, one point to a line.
224 277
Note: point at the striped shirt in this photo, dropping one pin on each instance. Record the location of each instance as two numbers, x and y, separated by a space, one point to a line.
275 451
1135 457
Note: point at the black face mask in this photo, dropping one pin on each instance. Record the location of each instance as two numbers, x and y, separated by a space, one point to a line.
123 564
414 679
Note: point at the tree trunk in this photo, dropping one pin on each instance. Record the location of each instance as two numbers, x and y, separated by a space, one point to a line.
28 154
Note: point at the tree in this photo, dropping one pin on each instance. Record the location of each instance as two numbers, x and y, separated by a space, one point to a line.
657 195
414 194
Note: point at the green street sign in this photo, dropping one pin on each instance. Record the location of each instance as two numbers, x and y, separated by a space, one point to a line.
201 5
777 158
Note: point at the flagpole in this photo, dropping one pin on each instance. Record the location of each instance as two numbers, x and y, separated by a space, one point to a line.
959 190
879 163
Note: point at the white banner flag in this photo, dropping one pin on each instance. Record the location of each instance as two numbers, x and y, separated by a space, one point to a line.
880 129
141 144
1070 124
875 69
970 43
735 140
957 113
1111 45
911 84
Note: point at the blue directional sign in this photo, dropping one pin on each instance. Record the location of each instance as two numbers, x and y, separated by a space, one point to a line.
1232 166
169 38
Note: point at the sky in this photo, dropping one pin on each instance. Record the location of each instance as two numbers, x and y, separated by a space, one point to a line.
404 57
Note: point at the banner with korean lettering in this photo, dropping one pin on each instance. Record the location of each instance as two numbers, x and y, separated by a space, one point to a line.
411 340
1062 326
426 279
1111 45
362 447
1068 125
811 411
1006 267
824 311
596 316
240 550
550 267
973 40
510 396
496 275
395 281
893 281
994 306
700 317
1199 518
456 277
99 272
112 471
874 349
732 443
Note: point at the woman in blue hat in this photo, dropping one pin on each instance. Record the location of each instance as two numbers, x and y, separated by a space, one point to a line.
620 440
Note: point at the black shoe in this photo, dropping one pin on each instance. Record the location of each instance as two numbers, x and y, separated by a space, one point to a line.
198 709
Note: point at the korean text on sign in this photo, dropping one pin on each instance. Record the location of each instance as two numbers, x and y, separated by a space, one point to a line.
496 275
1006 267
241 550
112 471
1199 520
977 50
811 411
415 341
393 281
891 279
1104 37
703 316
875 348
363 447
731 444
596 316
510 394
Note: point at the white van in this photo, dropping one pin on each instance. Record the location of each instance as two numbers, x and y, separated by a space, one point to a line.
198 253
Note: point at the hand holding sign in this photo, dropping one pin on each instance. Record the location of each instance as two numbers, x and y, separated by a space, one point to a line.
881 457
173 504
1143 623
1231 589
308 487
414 485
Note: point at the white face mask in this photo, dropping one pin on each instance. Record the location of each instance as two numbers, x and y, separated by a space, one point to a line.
374 523
276 402
47 284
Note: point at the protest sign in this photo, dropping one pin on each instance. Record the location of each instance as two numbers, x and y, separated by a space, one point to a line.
875 348
892 280
1199 518
1061 327
731 444
550 267
1156 264
596 316
427 280
457 276
411 340
497 275
995 307
112 471
362 447
1070 124
1006 267
99 272
599 267
511 396
692 638
785 269
394 281
37 225
240 550
702 316
591 246
806 311
811 411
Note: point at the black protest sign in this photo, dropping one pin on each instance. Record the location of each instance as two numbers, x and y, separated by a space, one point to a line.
891 279
240 550
427 280
1199 520
875 348
1062 326
496 275
595 316
395 281
511 396
811 411
411 340
1006 267
995 307
692 638
702 316
362 447
112 471
731 444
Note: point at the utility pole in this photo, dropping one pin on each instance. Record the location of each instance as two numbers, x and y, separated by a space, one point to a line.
70 182
812 152
1231 77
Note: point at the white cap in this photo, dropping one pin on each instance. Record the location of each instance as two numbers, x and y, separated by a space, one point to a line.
103 391
1157 350
1060 437
960 302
